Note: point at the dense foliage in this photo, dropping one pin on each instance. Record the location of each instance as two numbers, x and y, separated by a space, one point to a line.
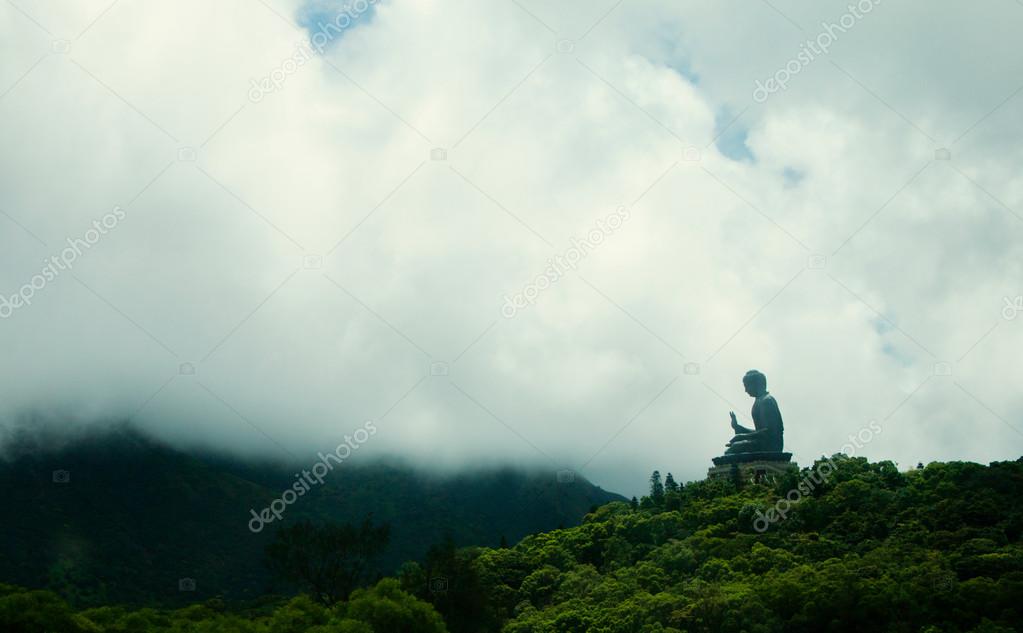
384 608
133 517
329 561
869 548
866 548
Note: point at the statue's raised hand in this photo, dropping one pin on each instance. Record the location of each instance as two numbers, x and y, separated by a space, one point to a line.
735 423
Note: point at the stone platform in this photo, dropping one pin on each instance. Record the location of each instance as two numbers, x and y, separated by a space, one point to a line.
751 466
741 458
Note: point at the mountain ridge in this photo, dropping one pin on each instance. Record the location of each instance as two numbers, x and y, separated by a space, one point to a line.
135 515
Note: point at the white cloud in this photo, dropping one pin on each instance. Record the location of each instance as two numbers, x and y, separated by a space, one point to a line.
315 261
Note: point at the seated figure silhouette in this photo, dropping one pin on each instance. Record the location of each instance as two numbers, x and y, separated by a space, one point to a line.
766 434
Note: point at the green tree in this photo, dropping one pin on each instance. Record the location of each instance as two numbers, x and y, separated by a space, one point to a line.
656 489
672 494
453 586
328 560
297 616
38 612
388 609
669 484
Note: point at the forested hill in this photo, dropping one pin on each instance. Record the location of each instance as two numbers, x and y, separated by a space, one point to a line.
130 517
868 548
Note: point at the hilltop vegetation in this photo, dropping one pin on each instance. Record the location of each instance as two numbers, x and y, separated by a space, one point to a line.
869 548
136 516
382 608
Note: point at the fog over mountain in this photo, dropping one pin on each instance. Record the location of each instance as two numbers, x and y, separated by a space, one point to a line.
519 232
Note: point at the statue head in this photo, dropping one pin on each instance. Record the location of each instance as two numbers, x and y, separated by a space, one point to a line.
755 383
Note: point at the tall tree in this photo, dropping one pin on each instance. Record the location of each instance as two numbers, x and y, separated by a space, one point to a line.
329 560
672 494
454 588
669 484
656 488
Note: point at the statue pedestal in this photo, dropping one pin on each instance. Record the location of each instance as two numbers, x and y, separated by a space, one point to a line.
751 466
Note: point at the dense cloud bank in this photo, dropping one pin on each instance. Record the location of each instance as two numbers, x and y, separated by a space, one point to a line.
256 225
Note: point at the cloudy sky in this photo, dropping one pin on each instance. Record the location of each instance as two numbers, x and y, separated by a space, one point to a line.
310 215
